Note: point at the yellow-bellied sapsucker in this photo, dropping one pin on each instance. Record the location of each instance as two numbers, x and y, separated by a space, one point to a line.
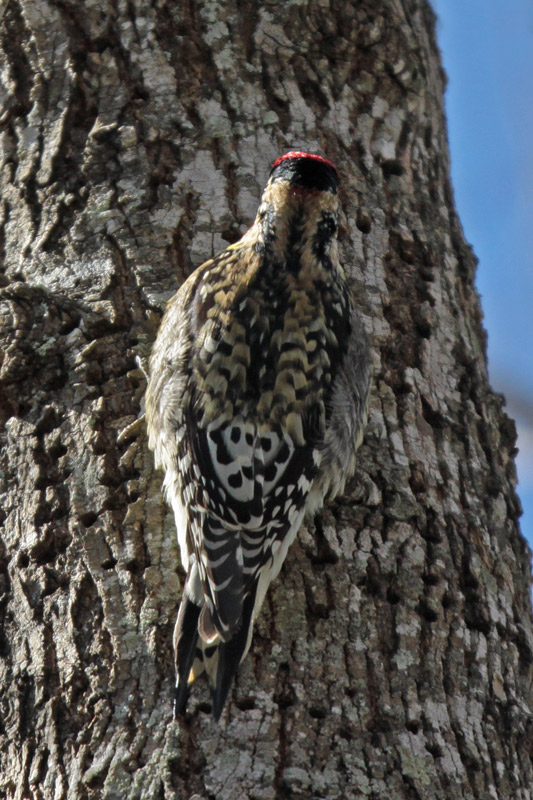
255 407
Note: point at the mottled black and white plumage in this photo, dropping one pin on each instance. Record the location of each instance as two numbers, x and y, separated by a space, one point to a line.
255 407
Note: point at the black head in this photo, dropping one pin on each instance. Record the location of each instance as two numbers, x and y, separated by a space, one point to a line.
307 171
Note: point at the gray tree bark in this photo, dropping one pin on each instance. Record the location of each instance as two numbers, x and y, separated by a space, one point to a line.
393 657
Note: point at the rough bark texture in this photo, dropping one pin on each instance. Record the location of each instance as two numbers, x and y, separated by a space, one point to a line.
393 658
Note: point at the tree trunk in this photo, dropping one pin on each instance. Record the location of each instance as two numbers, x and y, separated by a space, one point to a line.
393 656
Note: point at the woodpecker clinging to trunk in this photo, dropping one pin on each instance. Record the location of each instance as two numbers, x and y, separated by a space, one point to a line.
255 407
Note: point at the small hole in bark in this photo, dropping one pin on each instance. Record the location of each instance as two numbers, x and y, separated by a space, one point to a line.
392 596
231 235
472 763
373 586
428 613
447 600
413 727
68 326
51 584
286 699
317 712
285 696
88 519
424 329
47 421
346 733
363 222
433 417
56 450
427 274
245 703
435 750
23 560
477 619
392 167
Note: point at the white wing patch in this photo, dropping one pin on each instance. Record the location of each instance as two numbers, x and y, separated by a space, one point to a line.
248 462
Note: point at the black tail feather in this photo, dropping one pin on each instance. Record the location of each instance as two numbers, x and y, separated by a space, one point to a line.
230 654
185 638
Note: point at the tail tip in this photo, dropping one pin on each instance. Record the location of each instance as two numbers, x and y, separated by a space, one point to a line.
219 695
181 695
217 709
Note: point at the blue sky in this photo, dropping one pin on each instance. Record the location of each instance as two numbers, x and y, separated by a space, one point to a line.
487 50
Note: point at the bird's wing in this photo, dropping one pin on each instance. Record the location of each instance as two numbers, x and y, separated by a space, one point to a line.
245 487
